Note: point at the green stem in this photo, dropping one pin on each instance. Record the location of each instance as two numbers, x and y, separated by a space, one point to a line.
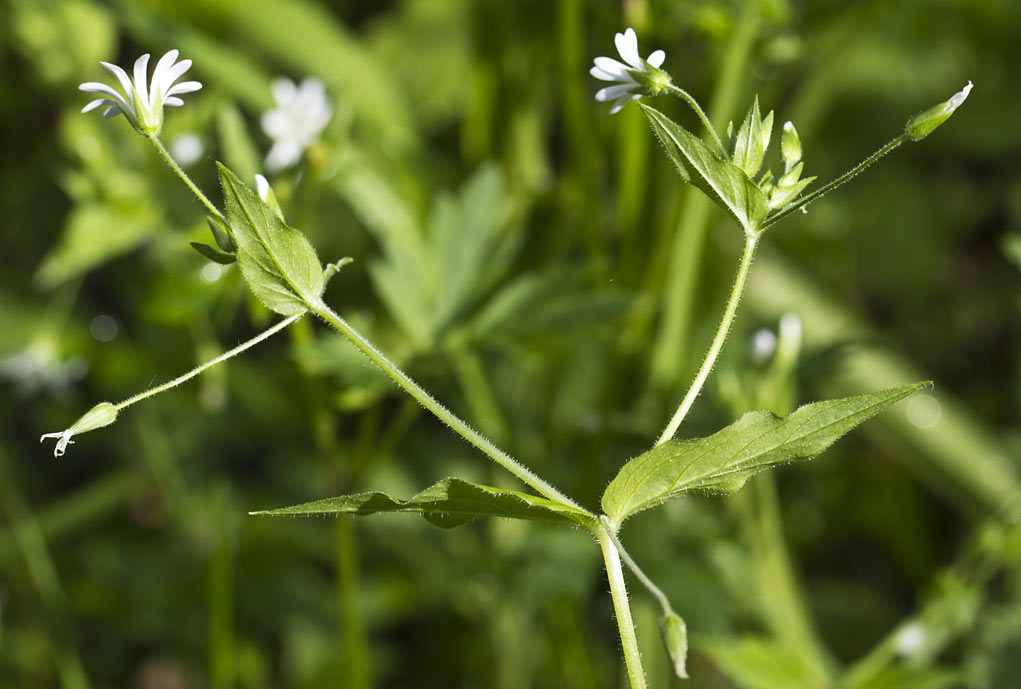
687 97
805 200
209 364
442 413
664 602
751 241
184 177
622 608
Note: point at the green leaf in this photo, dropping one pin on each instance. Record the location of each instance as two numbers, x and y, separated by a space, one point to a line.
212 254
725 183
753 140
277 261
722 462
448 503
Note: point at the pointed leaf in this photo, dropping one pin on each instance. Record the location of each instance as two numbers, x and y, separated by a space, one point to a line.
212 254
722 462
277 261
722 181
450 502
753 140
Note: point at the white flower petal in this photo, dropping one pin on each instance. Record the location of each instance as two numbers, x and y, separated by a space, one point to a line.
618 70
618 105
283 154
95 104
656 59
141 78
175 73
122 77
160 80
283 90
173 100
627 46
112 111
613 92
183 87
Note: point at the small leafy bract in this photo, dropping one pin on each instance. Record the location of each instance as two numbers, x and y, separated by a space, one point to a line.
753 140
447 503
721 180
722 462
277 261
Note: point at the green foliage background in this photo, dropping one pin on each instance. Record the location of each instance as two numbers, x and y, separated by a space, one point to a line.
516 250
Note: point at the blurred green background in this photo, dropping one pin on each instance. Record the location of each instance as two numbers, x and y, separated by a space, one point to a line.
592 287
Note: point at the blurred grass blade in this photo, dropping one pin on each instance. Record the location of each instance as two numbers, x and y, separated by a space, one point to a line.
448 503
722 462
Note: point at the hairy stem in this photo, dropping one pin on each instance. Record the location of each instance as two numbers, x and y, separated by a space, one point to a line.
165 154
751 241
685 96
858 169
442 413
664 602
209 364
622 608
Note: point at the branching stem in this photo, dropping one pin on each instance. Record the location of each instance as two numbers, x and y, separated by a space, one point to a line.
481 442
621 607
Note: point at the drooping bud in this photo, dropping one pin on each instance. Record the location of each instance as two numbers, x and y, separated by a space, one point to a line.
790 146
674 633
923 124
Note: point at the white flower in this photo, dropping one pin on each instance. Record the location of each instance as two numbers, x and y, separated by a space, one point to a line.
142 103
300 115
637 78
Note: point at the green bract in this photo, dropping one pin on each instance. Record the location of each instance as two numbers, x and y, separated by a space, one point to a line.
277 261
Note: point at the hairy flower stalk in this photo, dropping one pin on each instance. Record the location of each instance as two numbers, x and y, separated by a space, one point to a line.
139 101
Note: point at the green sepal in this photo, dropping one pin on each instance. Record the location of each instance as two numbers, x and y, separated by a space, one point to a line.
214 255
925 122
674 633
725 183
447 503
277 261
723 462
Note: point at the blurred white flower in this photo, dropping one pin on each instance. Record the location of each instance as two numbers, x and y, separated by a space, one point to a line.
300 115
142 103
187 149
637 78
39 367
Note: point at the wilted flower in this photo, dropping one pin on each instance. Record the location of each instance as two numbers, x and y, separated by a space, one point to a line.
300 115
103 414
637 78
142 103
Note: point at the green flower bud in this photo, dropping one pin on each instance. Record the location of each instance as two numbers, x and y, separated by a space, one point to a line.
103 414
922 124
790 146
674 633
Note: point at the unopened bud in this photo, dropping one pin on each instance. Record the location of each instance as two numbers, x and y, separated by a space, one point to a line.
674 633
922 124
790 145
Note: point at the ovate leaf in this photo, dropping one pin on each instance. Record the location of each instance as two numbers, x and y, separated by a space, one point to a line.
721 180
448 503
722 462
277 261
